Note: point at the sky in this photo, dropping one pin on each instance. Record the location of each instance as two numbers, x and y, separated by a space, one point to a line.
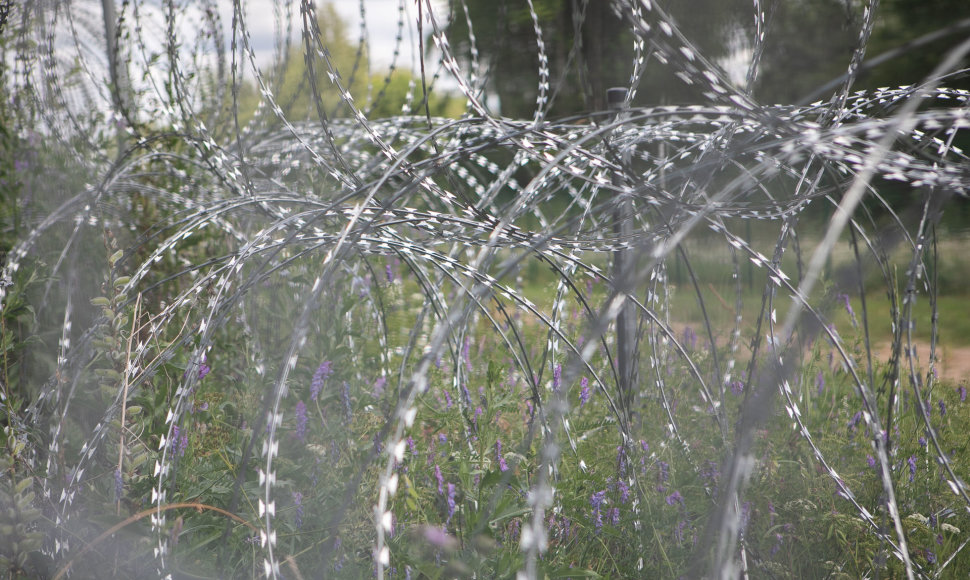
381 16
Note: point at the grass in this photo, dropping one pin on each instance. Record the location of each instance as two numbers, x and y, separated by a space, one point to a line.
629 494
389 347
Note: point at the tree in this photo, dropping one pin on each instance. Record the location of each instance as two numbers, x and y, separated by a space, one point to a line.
379 94
903 21
582 66
810 45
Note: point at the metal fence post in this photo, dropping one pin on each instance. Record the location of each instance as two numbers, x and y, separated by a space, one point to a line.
623 265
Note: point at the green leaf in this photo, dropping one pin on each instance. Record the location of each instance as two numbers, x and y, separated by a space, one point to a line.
22 485
572 573
508 512
495 477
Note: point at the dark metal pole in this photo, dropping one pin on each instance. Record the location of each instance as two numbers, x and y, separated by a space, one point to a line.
119 81
623 264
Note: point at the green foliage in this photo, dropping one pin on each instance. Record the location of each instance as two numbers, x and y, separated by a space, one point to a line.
903 21
304 92
21 534
582 66
262 348
811 43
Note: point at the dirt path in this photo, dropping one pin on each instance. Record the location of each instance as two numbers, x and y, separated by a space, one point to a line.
953 362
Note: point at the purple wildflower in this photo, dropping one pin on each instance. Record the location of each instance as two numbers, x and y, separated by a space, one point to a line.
820 382
664 471
962 390
298 514
175 439
447 399
679 531
871 460
737 387
319 377
440 478
556 377
674 498
848 308
912 466
614 515
119 485
411 446
930 557
621 460
451 502
690 338
183 444
710 471
942 408
596 502
203 368
779 540
438 537
502 466
854 421
378 443
624 490
389 273
301 421
584 392
340 559
379 387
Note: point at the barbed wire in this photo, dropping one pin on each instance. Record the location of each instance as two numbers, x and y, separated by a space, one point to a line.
304 204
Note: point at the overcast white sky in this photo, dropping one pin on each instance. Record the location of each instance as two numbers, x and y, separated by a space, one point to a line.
381 19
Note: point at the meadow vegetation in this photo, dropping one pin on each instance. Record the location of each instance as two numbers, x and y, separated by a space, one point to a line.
259 322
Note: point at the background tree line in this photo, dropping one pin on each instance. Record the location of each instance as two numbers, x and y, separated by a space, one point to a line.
808 44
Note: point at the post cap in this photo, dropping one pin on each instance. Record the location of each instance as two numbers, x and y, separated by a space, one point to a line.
615 97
